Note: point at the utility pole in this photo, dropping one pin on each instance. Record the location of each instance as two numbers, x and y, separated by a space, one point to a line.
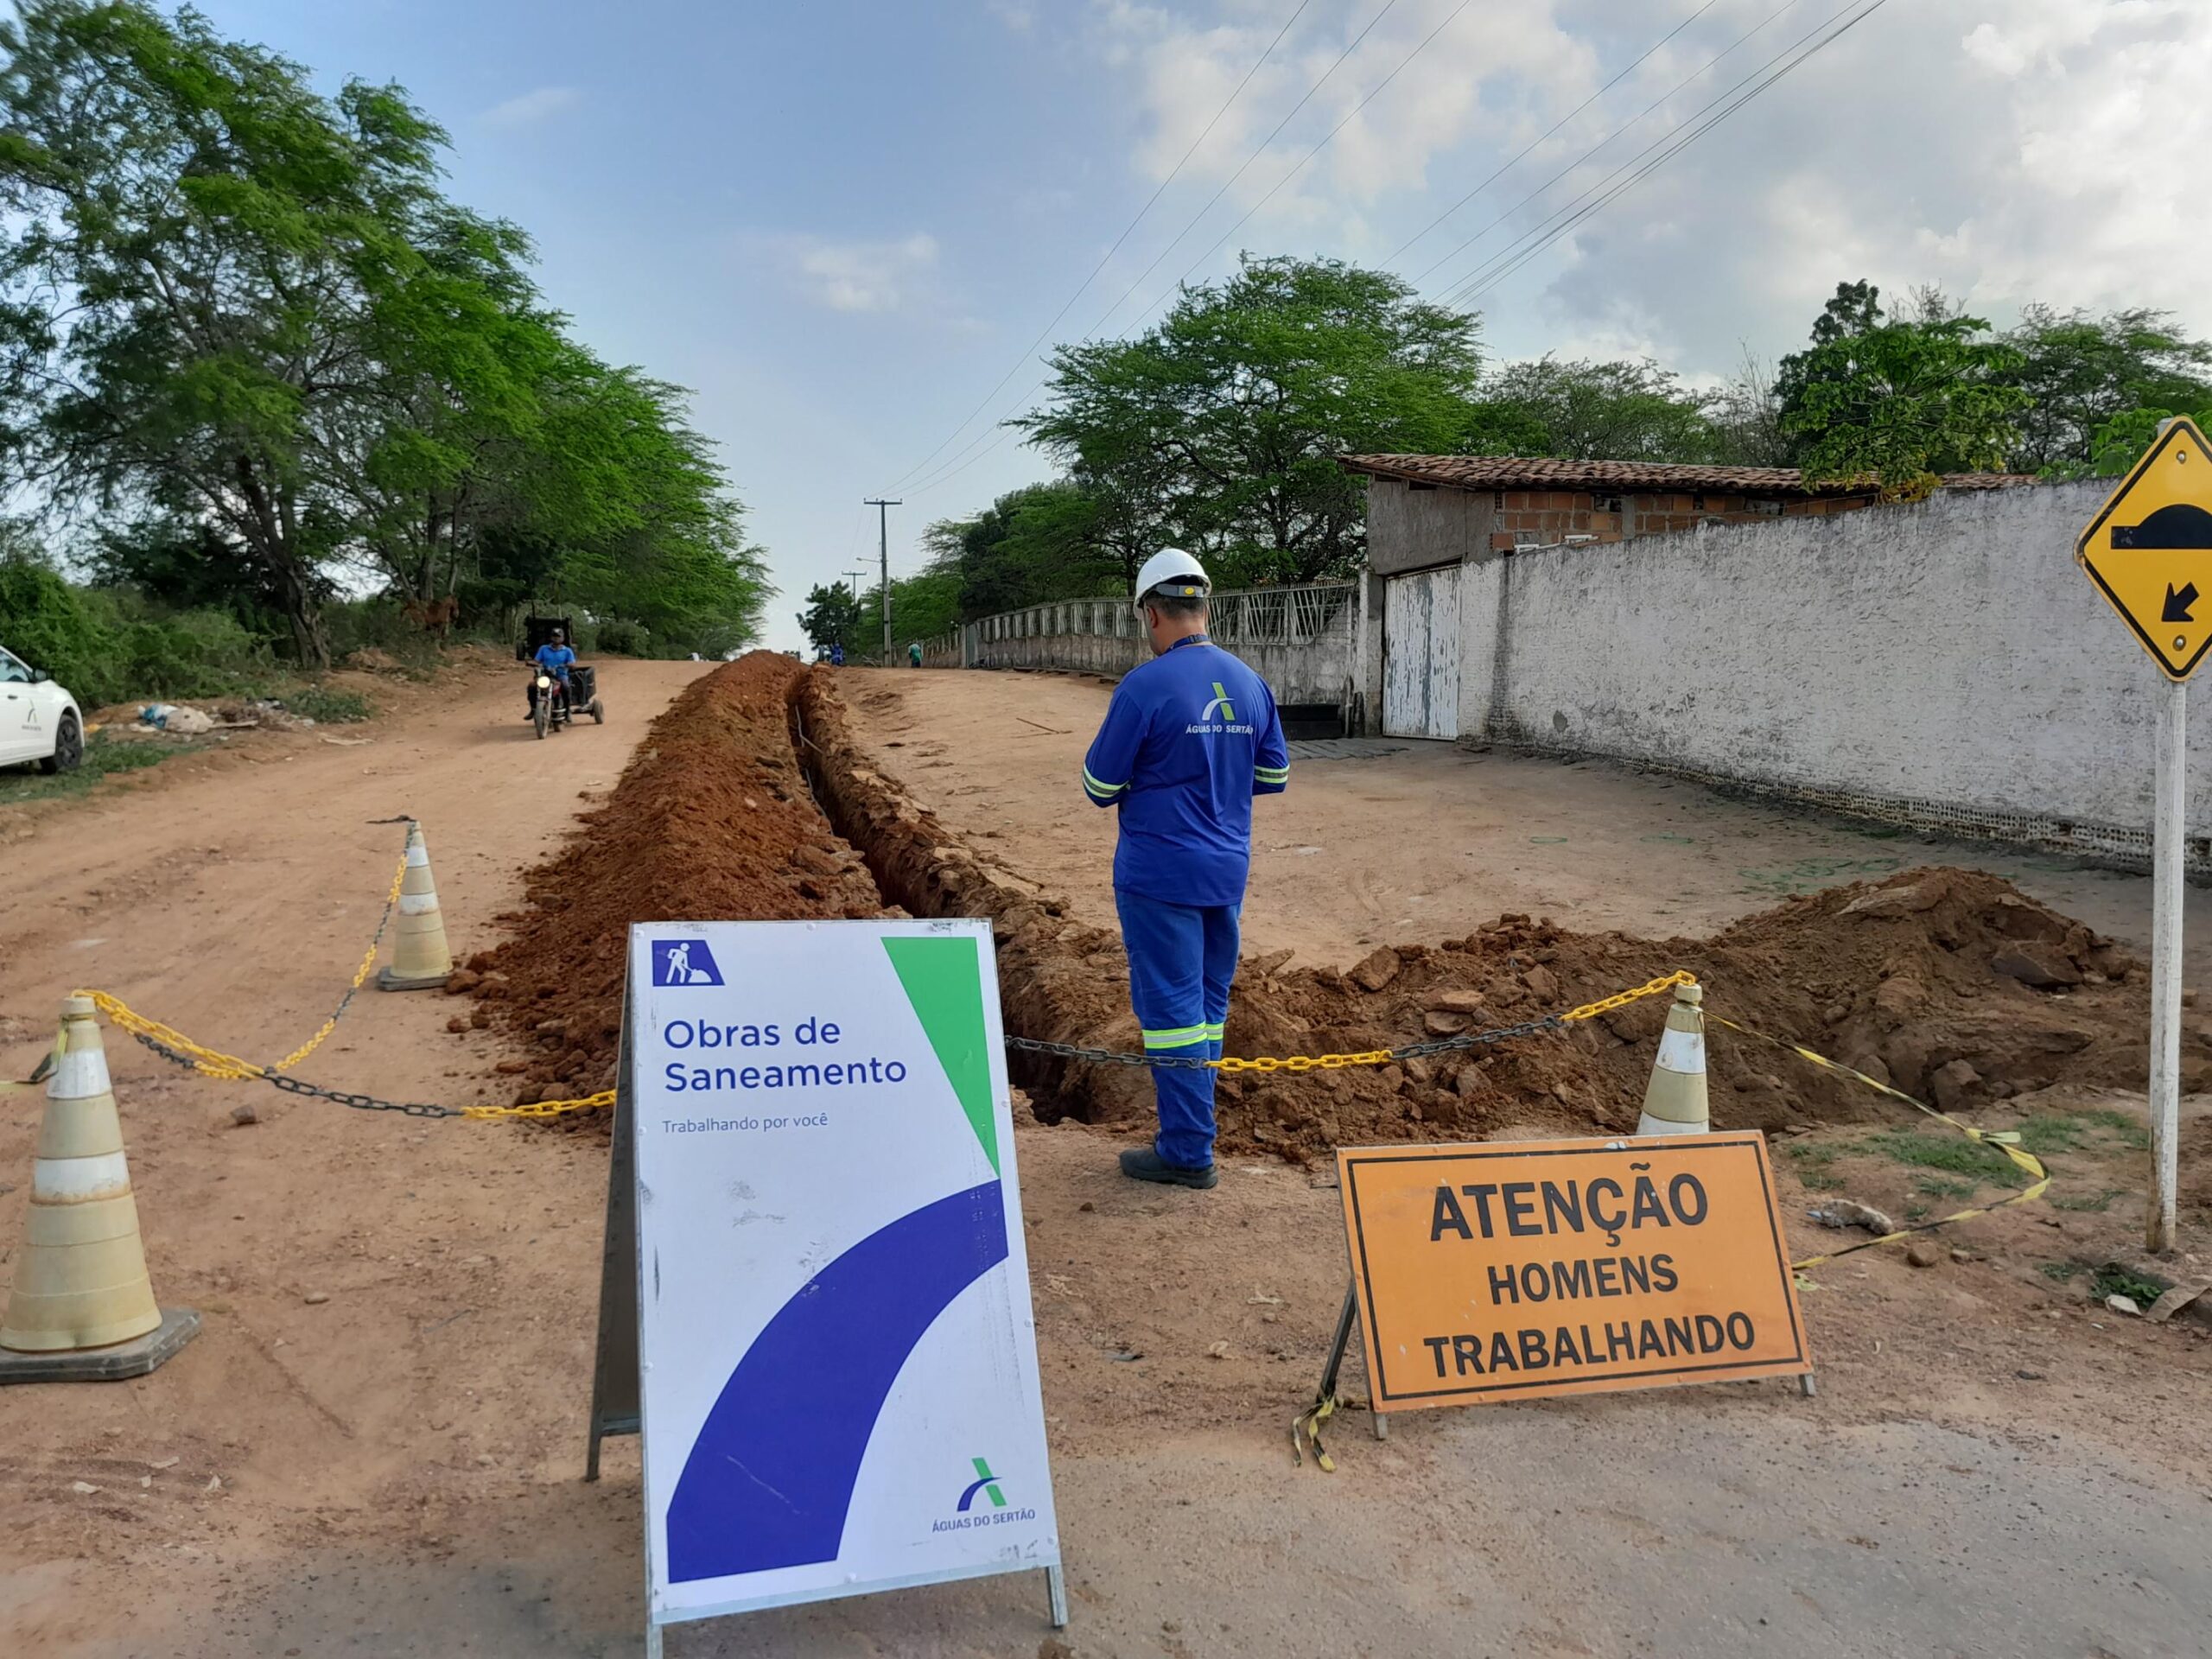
883 550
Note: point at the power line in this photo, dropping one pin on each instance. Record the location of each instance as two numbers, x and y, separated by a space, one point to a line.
1157 191
1486 277
1318 149
993 437
1553 130
1249 160
1584 158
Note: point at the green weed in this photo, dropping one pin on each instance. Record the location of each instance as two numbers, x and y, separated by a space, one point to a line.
325 706
2113 1280
1936 1187
104 757
2099 1202
1952 1153
2059 1272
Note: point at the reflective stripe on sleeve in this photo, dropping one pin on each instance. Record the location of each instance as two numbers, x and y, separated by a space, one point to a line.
1097 790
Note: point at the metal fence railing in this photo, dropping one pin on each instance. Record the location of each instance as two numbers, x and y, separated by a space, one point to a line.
1289 615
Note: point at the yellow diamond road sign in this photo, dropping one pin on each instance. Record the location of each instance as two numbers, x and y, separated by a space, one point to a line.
2150 550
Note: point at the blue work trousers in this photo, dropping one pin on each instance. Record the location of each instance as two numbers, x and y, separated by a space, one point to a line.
1182 958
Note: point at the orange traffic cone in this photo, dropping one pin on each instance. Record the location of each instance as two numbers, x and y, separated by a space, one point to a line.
1675 1102
420 958
81 1306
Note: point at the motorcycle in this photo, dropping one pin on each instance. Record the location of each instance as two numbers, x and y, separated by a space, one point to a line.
553 705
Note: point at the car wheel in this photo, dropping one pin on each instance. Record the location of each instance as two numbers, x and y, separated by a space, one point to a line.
68 747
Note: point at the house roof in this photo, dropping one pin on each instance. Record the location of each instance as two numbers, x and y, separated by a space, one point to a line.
1513 472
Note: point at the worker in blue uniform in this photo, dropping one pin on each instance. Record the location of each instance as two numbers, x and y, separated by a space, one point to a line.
1189 739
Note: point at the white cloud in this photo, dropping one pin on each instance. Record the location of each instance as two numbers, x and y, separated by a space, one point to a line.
1019 15
528 109
2015 151
861 276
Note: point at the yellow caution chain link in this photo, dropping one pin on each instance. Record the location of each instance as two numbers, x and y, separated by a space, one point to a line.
2005 1140
1385 1056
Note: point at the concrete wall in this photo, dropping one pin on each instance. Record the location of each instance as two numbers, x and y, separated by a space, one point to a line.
1302 641
1944 663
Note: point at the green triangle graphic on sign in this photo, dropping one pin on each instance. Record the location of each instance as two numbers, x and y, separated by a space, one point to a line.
943 980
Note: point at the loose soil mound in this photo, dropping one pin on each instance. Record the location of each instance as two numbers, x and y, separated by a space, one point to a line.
711 821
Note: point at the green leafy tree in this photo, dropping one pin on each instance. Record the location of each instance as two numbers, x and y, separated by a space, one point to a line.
2122 441
834 615
1220 428
1618 410
1897 402
2080 373
231 304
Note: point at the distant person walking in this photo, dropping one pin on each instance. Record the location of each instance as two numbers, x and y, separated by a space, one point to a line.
1189 739
914 653
837 654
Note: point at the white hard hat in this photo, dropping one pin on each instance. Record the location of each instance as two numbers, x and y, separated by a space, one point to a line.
1173 572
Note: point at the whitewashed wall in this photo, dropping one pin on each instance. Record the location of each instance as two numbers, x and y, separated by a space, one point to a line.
1947 656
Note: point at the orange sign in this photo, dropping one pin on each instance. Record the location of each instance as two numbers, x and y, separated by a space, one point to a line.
1513 1270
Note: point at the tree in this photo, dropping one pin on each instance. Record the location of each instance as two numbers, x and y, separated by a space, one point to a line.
1220 428
235 307
834 616
1895 404
201 238
1603 411
2080 373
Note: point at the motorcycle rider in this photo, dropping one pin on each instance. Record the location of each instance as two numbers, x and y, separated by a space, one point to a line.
552 658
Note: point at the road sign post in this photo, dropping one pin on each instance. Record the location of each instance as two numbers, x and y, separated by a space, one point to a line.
2149 551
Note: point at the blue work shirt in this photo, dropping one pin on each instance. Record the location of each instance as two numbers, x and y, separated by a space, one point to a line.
1190 738
555 660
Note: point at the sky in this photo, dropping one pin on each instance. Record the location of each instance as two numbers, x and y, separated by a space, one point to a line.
845 224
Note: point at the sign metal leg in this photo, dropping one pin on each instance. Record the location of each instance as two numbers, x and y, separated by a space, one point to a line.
2166 965
1056 1591
614 1366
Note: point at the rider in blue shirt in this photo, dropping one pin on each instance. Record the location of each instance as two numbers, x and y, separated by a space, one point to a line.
1189 739
552 658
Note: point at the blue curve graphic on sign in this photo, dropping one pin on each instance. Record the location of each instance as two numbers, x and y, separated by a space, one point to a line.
771 1475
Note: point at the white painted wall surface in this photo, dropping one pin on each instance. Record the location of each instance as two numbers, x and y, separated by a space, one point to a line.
1949 651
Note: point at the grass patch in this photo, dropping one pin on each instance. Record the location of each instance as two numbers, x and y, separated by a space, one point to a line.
2059 1272
1916 1212
325 706
2113 1280
1938 1186
1815 1167
104 757
1952 1153
2097 1202
2053 1132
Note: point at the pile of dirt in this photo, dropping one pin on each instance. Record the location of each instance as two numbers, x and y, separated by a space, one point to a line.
711 821
1949 984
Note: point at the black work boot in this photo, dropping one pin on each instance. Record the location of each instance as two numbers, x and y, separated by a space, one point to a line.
1146 1165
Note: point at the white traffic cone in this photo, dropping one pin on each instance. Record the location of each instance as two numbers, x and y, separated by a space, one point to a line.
1675 1101
420 958
81 1280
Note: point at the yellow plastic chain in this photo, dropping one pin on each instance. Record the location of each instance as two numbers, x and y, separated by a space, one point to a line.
1384 1056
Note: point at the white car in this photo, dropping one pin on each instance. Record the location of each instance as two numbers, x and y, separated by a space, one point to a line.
39 720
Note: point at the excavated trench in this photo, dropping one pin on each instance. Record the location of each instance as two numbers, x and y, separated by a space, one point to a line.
749 799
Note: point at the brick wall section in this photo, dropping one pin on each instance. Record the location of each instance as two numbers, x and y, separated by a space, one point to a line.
1525 518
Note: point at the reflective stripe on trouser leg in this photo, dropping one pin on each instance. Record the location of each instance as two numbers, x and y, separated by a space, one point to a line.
1166 950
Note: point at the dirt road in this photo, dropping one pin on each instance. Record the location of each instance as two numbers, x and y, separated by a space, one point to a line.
1431 841
394 1470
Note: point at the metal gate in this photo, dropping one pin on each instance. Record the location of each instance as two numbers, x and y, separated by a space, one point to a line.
1421 654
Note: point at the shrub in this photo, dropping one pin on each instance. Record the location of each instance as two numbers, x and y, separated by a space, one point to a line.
46 623
325 706
621 638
